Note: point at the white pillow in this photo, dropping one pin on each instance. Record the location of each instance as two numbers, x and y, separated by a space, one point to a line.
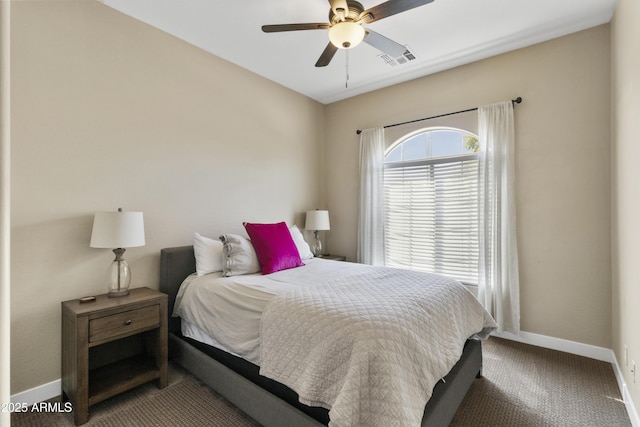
208 254
303 247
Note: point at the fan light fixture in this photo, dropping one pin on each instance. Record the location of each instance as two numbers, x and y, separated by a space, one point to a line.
346 35
345 31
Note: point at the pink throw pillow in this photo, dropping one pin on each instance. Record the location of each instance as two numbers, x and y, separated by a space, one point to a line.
274 246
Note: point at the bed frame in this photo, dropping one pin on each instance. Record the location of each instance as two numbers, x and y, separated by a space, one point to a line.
262 405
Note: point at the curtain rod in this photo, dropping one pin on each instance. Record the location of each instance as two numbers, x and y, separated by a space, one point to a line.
518 100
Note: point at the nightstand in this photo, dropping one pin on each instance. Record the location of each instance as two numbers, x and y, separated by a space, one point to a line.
333 257
111 345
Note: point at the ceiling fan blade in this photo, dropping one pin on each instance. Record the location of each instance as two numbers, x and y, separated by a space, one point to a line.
327 55
389 8
384 44
340 8
294 27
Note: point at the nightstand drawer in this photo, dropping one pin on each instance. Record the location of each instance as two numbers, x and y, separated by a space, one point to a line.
127 322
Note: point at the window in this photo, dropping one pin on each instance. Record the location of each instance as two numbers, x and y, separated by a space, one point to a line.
431 202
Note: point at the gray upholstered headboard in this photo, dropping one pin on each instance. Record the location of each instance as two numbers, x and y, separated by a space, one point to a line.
175 265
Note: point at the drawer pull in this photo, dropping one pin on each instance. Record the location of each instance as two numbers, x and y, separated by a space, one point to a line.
127 322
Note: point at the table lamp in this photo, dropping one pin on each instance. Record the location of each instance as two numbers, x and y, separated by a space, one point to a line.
317 221
118 230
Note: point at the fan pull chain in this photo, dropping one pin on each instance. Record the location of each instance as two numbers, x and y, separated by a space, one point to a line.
346 83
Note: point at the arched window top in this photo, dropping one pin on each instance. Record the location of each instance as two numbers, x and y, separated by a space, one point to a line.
432 143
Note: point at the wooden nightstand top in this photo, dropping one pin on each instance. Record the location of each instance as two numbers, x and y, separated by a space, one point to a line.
333 257
137 296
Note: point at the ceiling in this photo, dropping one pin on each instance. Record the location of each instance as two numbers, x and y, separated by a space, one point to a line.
442 35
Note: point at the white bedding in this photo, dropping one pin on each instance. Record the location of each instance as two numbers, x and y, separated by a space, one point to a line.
368 343
225 311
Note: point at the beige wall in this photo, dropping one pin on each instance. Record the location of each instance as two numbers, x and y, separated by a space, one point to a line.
109 112
625 56
562 170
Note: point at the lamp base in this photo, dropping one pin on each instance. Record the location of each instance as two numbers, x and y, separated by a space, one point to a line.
316 249
115 294
119 275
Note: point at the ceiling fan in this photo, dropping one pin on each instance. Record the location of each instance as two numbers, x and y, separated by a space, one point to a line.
345 26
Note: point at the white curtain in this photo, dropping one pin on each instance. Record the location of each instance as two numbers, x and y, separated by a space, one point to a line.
371 214
498 284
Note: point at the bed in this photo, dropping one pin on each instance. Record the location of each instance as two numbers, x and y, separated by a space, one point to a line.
272 403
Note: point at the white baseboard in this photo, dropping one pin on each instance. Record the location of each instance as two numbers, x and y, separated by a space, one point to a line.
631 409
53 389
39 393
626 396
586 350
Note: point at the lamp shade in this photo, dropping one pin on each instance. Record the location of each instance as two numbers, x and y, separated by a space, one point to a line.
317 220
117 230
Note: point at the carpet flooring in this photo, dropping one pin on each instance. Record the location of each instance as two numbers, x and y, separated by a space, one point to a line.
529 386
522 386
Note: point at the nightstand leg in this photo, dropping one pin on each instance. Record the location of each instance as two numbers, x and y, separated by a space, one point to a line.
80 413
163 347
81 407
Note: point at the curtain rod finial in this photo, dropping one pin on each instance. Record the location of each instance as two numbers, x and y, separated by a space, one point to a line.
358 131
518 100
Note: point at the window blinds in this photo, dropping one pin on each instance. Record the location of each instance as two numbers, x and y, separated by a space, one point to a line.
431 216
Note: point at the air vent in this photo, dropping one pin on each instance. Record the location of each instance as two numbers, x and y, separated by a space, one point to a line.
406 57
